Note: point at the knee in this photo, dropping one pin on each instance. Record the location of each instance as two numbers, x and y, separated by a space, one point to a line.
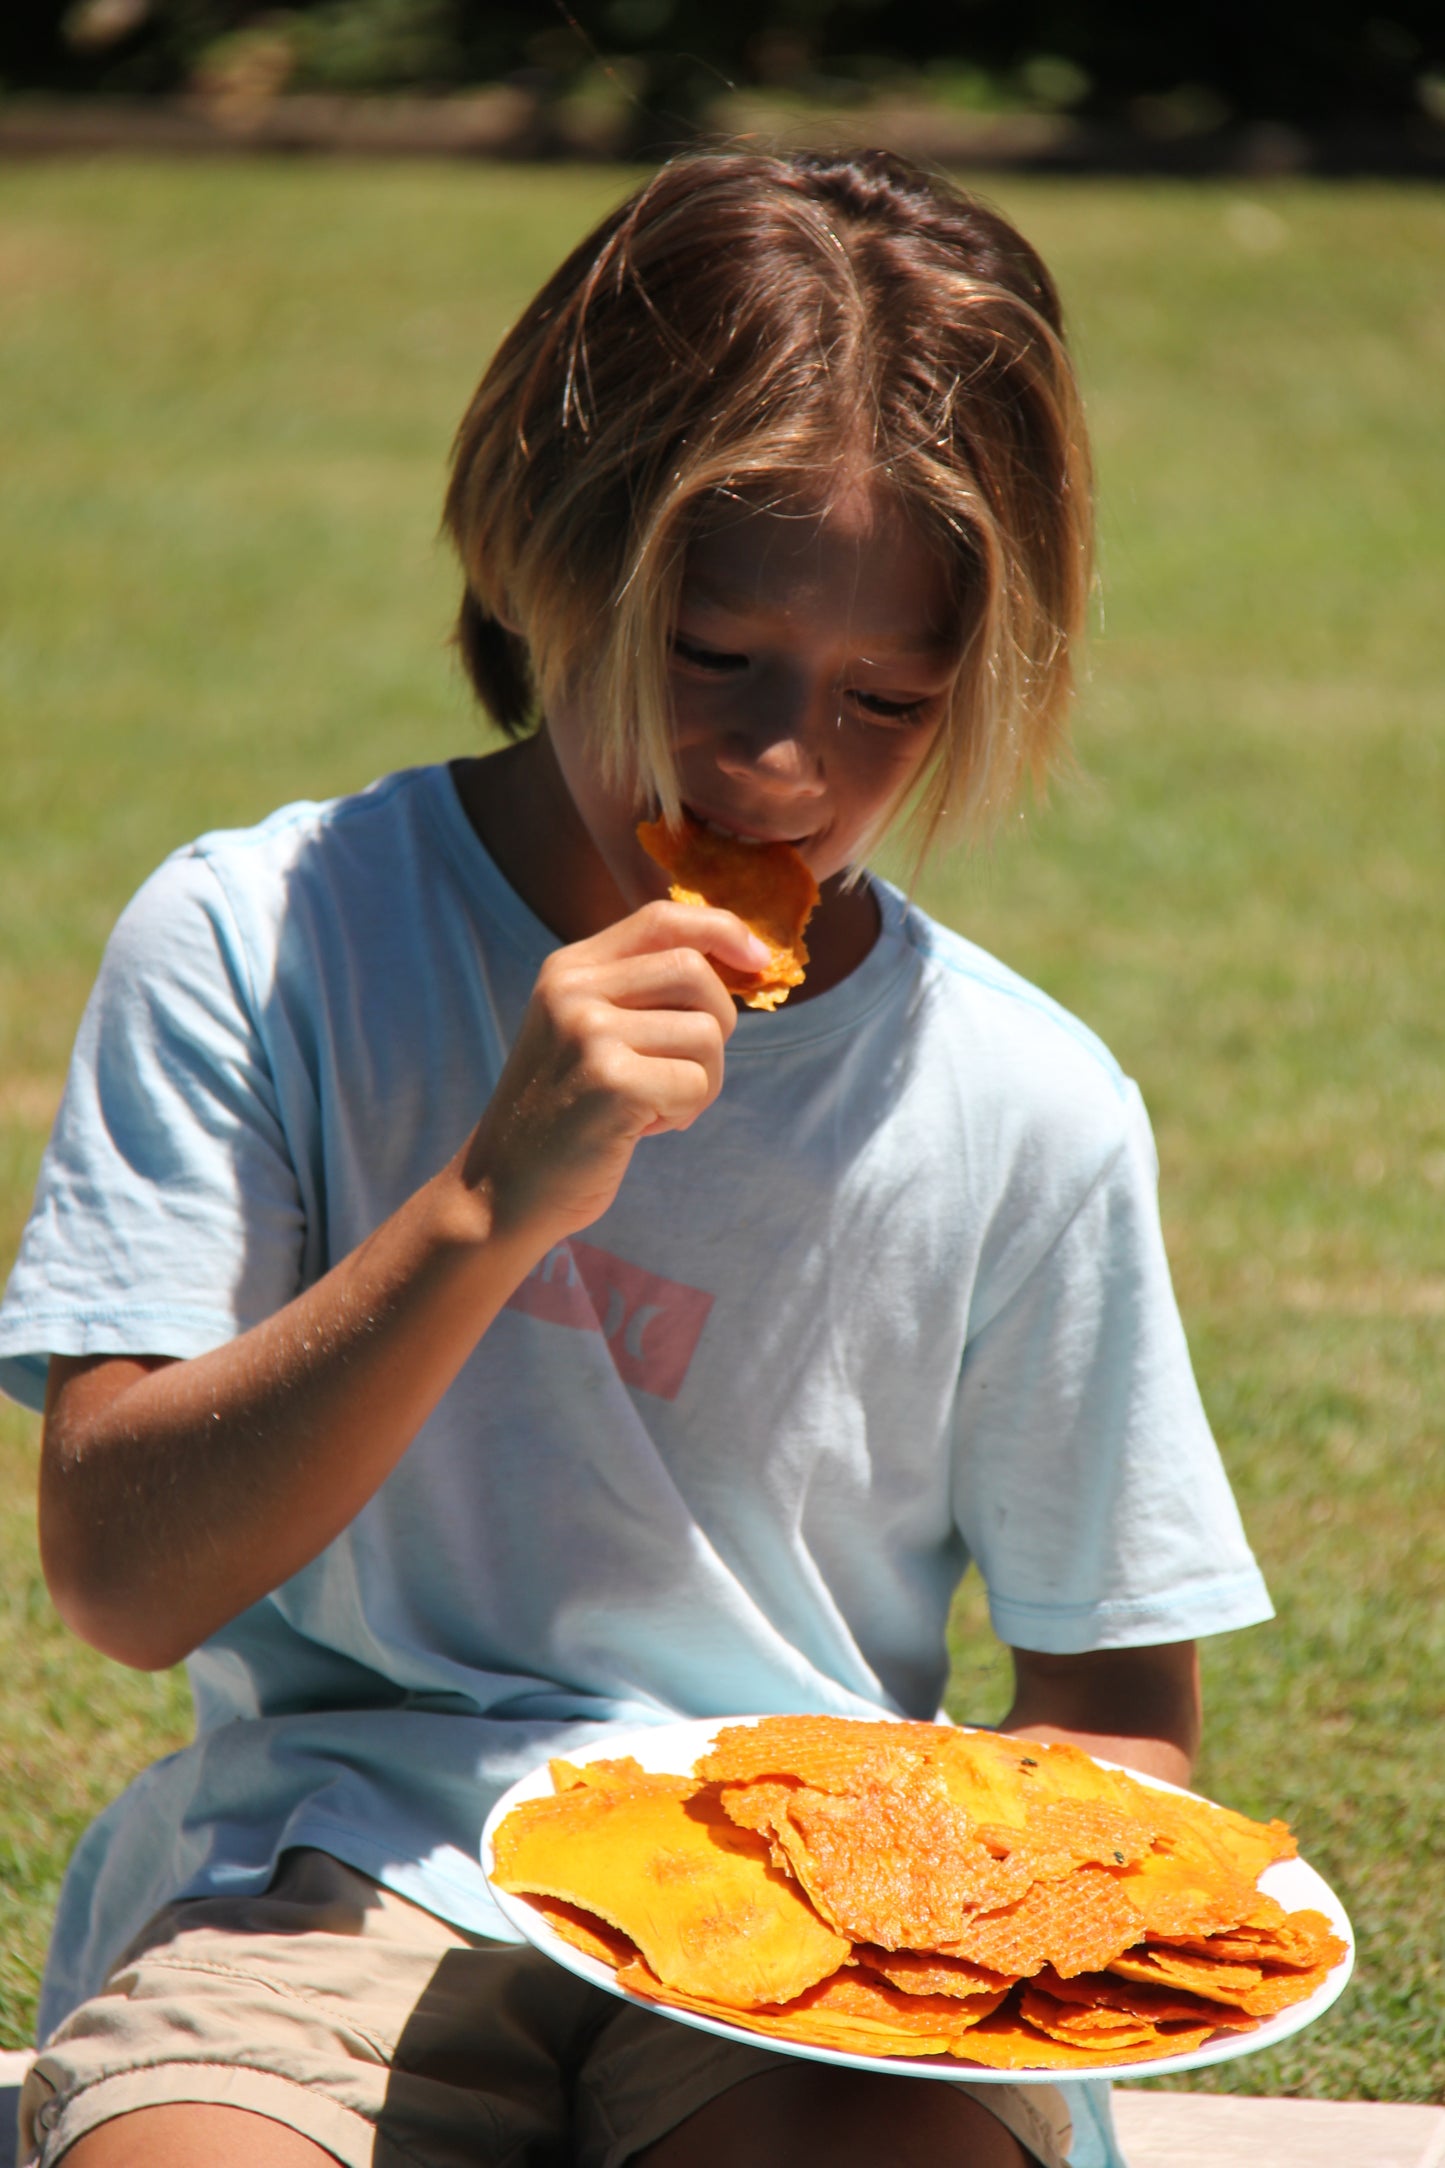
813 2115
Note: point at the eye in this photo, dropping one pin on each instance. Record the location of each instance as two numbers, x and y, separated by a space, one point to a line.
883 710
706 658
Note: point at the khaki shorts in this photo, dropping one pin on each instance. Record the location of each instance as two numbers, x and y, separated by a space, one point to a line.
393 2040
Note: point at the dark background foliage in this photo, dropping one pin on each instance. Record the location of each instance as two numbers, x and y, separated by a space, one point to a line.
1181 69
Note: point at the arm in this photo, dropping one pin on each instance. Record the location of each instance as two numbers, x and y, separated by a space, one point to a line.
175 1494
1136 1706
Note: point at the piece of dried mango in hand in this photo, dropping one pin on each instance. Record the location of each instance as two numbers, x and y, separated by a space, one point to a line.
766 884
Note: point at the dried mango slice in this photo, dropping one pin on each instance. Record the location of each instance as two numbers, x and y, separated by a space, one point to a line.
1216 1982
1158 2003
999 1779
1085 2025
763 1807
1185 1892
979 1772
624 1774
767 884
1052 1772
1090 1832
696 1894
1065 1834
1003 1782
1304 1939
1240 1846
1229 1846
585 1930
848 2012
1280 1990
925 1972
828 1753
1259 1991
896 1865
1007 2041
1227 1973
982 1771
1076 1926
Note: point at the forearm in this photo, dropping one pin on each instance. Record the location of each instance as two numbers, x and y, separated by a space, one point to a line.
175 1495
1140 1707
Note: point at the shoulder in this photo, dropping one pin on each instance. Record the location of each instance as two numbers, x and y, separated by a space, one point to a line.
233 893
1013 1011
335 839
1043 1097
1018 1108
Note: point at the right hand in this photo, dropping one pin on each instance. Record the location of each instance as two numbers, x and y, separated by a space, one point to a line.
623 1038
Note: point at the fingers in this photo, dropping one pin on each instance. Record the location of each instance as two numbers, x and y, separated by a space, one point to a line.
623 1038
643 995
698 926
634 1090
678 1035
661 958
673 981
646 1034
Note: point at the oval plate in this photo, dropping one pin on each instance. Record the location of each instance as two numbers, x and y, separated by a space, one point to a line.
671 1750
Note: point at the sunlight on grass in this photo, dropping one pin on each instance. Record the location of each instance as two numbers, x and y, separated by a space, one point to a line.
226 396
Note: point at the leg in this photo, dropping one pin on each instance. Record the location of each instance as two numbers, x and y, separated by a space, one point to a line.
392 2035
194 2134
809 2115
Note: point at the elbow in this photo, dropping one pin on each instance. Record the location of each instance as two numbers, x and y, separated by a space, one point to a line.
114 1622
100 1604
126 1640
103 1547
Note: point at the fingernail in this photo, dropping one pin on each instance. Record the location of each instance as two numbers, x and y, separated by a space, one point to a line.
758 952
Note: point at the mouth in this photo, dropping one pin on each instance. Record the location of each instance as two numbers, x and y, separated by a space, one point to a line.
733 830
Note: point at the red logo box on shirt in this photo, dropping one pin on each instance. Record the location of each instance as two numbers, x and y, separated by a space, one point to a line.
651 1325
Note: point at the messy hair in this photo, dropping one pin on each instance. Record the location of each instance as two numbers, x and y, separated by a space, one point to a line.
751 327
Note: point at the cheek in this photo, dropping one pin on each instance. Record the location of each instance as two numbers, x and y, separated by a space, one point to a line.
700 710
882 763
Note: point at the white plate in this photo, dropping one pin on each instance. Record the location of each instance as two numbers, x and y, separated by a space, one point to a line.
671 1749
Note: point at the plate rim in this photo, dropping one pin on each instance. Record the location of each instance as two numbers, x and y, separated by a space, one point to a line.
694 1734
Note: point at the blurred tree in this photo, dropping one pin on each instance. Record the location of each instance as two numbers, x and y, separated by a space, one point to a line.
1178 70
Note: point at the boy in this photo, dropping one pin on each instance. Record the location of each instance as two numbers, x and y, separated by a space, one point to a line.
717 1346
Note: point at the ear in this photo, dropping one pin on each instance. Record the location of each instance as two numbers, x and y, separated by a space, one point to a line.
507 618
498 665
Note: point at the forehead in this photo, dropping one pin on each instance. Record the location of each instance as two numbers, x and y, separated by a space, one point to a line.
856 564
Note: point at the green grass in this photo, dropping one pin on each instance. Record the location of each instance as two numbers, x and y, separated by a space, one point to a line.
226 395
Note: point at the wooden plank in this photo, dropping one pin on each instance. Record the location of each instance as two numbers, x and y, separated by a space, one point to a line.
1217 2130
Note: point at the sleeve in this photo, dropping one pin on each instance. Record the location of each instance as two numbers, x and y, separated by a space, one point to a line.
1088 1486
168 1215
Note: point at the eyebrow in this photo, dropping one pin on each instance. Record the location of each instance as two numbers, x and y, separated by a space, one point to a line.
740 602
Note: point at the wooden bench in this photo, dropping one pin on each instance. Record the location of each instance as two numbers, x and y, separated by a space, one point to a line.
1166 2130
1223 2130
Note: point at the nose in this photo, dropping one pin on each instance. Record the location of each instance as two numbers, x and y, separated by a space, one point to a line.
780 746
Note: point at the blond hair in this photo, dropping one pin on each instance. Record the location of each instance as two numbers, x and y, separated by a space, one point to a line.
747 324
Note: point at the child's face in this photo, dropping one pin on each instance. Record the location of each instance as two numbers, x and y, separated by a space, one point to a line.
812 660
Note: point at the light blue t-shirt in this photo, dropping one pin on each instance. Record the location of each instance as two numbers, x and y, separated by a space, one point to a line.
898 1301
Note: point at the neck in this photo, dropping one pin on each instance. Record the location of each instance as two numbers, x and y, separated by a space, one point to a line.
523 813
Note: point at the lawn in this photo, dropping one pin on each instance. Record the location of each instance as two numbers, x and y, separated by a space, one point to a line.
226 394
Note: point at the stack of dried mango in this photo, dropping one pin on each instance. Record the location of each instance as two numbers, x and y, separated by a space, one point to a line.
907 1889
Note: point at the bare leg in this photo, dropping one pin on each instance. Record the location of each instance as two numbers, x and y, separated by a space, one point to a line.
195 2134
809 2116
